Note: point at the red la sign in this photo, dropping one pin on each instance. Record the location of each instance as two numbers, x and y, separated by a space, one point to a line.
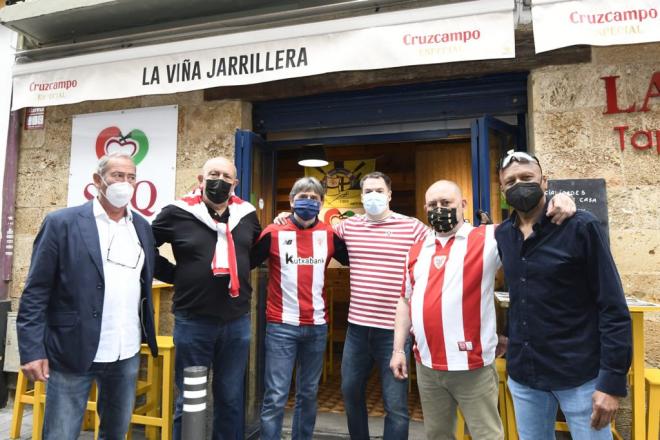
639 139
612 99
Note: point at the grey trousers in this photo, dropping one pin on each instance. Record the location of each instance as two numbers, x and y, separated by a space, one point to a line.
474 391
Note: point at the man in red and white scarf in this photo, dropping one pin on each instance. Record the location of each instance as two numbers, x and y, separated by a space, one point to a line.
211 232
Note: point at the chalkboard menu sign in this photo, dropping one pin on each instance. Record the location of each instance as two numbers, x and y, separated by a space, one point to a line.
589 194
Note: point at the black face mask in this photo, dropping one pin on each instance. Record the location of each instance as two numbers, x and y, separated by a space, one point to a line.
524 196
443 219
217 190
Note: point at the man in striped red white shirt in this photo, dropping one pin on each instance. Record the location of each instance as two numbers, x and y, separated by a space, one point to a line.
447 298
298 254
377 244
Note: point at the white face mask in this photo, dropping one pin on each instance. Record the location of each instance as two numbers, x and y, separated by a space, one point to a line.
374 203
118 194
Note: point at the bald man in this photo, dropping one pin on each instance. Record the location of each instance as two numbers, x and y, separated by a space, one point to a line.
211 231
447 300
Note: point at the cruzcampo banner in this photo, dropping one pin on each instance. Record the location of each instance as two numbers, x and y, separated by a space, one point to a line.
464 31
341 180
148 135
561 23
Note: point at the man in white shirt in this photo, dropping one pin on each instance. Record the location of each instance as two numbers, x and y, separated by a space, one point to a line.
87 305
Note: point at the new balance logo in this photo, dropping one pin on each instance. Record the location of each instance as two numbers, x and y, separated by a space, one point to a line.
290 259
288 242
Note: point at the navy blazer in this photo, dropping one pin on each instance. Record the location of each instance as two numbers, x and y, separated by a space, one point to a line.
59 317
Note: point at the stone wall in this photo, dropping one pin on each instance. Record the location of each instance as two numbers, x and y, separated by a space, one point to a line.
574 139
205 129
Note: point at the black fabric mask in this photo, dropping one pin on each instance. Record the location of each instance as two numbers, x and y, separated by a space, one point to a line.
443 219
524 196
217 190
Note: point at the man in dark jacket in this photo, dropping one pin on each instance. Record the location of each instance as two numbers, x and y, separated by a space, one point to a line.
87 306
570 338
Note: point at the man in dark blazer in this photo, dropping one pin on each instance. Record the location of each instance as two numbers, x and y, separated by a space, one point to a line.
87 305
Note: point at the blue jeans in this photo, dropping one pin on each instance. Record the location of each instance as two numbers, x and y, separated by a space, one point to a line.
222 348
536 411
288 346
365 346
67 395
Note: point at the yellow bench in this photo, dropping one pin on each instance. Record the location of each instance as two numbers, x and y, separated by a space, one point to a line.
652 376
155 413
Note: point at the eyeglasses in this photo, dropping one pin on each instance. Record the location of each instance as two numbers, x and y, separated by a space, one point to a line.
114 259
517 156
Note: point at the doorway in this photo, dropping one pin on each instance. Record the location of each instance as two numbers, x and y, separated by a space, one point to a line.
416 135
412 166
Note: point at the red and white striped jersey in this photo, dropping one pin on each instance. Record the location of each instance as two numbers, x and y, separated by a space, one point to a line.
297 262
377 251
451 294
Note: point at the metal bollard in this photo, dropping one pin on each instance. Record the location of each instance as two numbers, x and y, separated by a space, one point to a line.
193 422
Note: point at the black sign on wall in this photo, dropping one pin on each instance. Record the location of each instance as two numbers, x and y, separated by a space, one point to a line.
589 194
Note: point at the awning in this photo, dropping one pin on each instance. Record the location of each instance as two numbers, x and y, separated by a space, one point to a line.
463 31
561 23
55 29
51 22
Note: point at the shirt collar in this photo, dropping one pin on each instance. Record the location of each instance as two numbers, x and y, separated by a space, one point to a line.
299 226
393 216
462 233
220 218
541 221
99 212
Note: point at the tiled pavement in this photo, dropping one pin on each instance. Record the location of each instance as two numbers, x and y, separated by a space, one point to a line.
26 430
328 426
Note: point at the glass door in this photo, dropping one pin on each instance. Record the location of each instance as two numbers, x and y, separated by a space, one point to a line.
255 164
491 138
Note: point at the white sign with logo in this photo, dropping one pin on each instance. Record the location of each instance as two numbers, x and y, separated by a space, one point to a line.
440 34
148 135
595 22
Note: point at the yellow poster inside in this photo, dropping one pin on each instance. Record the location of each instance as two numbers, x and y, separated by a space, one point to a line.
342 181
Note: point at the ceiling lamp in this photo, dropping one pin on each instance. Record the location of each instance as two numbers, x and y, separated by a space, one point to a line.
312 156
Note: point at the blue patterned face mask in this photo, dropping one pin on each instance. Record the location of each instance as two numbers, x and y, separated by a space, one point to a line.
306 209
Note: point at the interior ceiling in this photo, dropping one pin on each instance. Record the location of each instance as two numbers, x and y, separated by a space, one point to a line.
79 25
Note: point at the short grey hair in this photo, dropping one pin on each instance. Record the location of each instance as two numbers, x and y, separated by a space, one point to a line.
306 184
102 165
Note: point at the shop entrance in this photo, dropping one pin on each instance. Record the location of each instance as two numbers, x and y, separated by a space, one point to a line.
413 166
413 154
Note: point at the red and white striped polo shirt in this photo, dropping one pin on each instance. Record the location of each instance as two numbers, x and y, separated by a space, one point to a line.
296 273
377 251
451 291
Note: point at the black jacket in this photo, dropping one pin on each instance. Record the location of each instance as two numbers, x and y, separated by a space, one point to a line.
196 290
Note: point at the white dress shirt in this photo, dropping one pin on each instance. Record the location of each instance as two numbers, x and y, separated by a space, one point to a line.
123 259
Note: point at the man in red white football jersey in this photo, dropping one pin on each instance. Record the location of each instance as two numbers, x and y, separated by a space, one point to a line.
447 299
298 254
